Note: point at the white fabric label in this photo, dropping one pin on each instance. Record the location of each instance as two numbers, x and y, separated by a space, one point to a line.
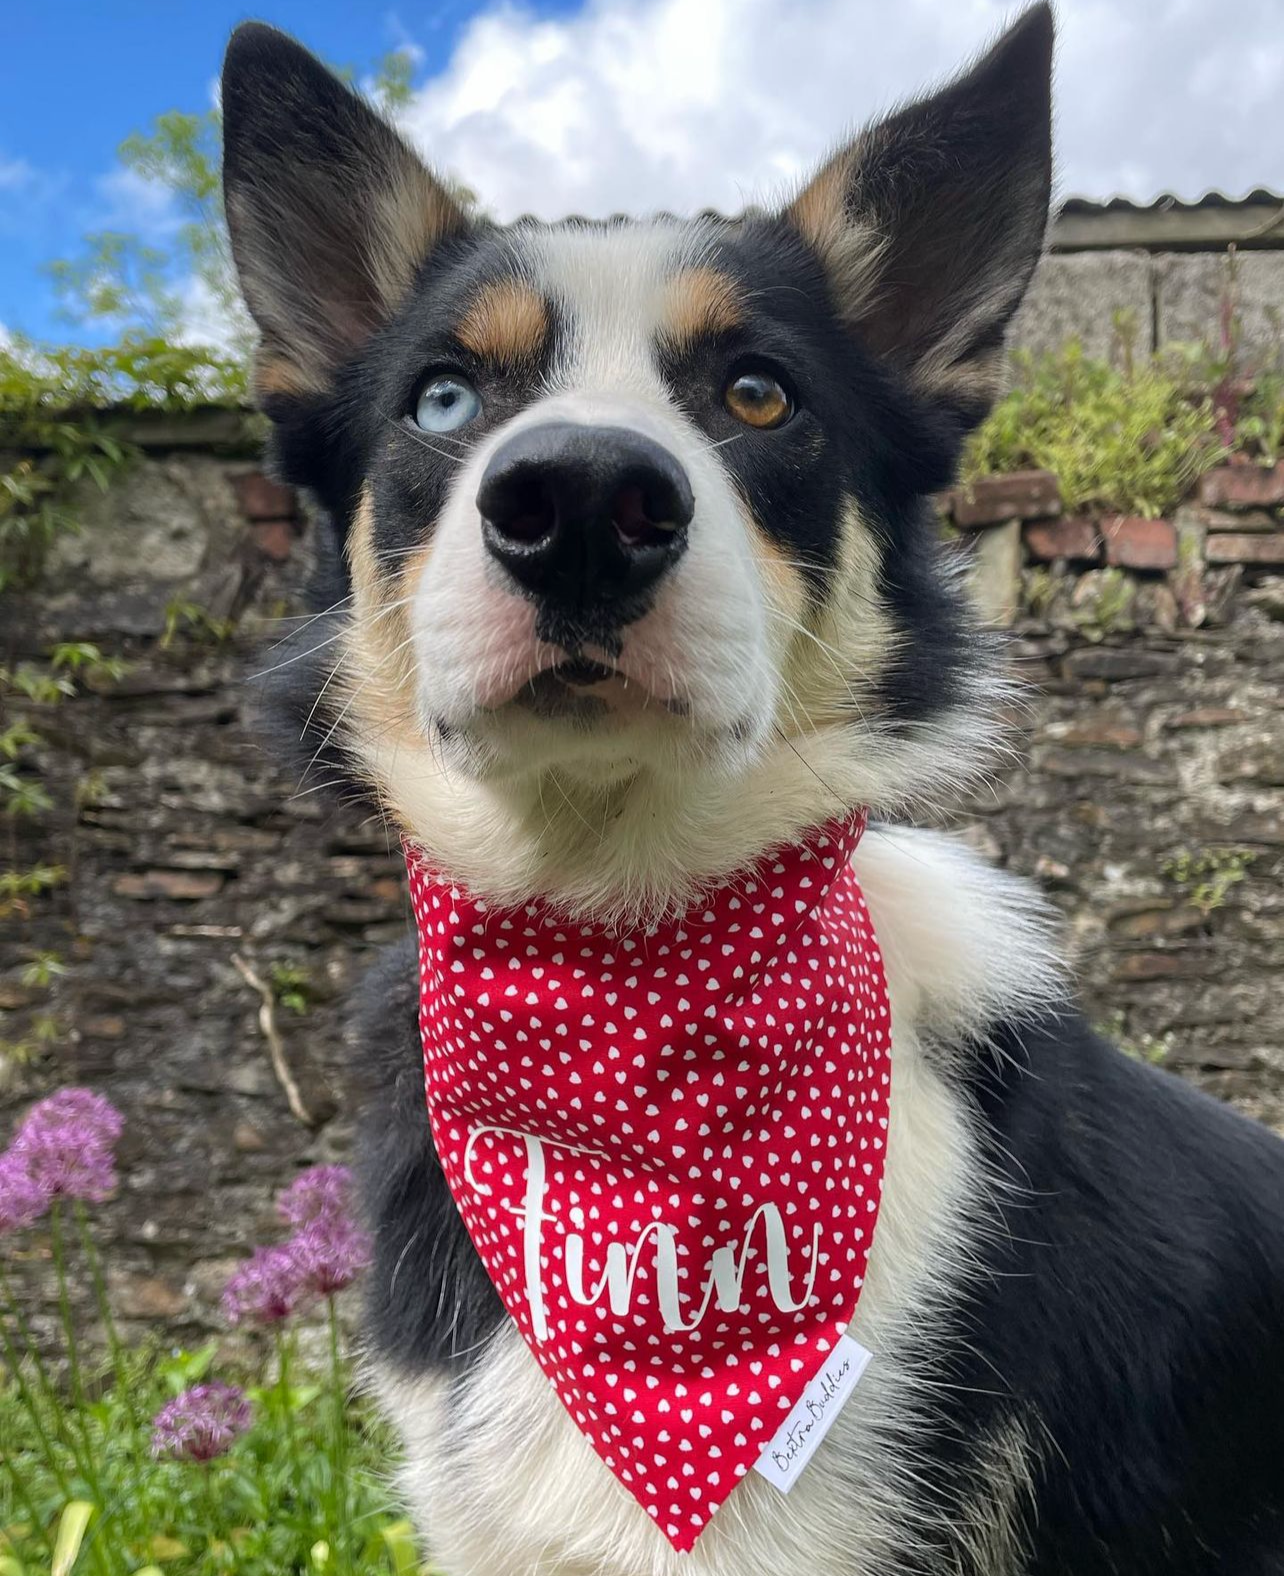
791 1448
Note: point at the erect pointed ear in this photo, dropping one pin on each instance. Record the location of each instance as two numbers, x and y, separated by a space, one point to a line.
930 223
329 211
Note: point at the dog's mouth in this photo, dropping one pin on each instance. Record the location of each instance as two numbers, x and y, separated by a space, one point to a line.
586 691
578 671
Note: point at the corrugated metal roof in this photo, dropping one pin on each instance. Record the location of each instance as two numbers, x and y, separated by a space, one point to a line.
1260 196
1169 223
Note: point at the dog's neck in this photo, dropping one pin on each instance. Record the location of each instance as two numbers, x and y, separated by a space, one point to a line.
640 847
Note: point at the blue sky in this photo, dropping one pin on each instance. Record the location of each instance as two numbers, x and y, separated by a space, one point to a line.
590 106
77 76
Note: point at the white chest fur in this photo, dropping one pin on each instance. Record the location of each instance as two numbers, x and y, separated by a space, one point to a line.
502 1483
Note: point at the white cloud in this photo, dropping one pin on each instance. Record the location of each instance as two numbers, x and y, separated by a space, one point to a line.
131 202
684 104
206 320
14 173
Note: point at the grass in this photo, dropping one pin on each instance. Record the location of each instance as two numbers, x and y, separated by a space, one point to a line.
137 1461
266 1508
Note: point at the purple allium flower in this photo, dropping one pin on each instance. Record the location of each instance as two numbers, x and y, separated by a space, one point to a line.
65 1144
267 1288
330 1254
201 1423
95 1111
320 1193
22 1199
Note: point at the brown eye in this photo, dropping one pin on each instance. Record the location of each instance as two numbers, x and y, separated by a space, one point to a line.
757 399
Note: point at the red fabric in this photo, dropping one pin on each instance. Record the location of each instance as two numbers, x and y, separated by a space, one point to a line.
617 1115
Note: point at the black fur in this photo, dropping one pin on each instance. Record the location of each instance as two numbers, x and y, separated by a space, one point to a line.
429 1302
1132 1311
1128 1314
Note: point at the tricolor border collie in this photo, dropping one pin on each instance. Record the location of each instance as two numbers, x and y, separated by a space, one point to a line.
628 577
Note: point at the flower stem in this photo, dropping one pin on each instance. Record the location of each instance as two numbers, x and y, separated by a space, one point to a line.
87 1465
118 1361
283 1383
64 1305
213 1545
339 1454
13 1362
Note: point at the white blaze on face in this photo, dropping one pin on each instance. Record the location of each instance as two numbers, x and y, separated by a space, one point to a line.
705 643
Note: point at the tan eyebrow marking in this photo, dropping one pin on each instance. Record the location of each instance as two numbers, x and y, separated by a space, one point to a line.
506 321
699 302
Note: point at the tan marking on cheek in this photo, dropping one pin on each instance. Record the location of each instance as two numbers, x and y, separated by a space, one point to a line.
378 663
698 303
506 322
783 583
858 633
829 665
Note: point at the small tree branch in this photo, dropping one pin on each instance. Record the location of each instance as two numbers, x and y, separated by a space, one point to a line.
275 1044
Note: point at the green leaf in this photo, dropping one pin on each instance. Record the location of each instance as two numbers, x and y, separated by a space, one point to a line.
72 1524
399 1540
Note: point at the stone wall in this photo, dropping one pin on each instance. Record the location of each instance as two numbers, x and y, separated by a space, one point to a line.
1147 792
1146 795
1167 296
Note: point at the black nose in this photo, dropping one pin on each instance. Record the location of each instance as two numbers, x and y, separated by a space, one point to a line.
586 518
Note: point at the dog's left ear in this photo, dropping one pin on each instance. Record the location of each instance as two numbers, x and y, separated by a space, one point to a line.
330 212
930 223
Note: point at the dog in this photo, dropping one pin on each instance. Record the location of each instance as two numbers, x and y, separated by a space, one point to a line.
1075 1297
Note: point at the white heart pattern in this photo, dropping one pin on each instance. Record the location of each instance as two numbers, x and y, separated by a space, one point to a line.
680 1248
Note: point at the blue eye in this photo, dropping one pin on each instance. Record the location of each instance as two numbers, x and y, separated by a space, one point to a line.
446 403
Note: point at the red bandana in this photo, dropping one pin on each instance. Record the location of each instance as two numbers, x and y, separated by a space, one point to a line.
668 1149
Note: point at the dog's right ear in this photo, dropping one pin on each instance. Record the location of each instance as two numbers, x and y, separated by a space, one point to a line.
930 223
330 212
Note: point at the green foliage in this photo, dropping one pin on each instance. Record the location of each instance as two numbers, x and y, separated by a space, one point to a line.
292 986
71 664
98 1475
36 684
260 1511
84 658
17 887
20 794
118 278
1144 1047
44 389
1132 441
43 969
34 690
53 435
121 279
1207 876
183 617
1260 429
1103 603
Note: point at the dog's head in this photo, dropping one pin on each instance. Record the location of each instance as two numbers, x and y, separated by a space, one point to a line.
631 542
